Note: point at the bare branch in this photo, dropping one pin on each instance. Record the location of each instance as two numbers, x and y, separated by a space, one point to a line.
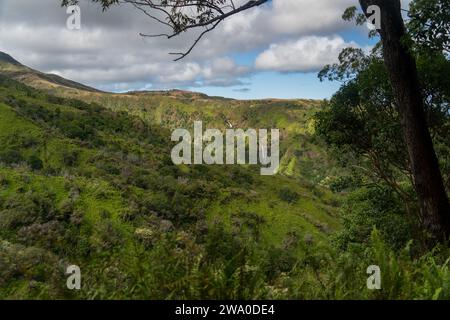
206 14
182 55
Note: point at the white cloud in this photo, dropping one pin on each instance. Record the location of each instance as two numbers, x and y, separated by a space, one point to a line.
308 16
108 52
308 54
258 28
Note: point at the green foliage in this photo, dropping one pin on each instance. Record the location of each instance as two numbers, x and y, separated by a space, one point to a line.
344 275
366 132
375 207
344 183
430 24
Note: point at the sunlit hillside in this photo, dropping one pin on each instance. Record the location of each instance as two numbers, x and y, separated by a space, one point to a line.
91 181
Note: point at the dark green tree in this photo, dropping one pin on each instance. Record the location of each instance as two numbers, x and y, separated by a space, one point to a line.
389 82
402 71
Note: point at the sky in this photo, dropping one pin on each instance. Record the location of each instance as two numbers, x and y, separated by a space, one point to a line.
272 51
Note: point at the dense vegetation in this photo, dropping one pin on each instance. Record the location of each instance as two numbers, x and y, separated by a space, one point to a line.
84 185
81 184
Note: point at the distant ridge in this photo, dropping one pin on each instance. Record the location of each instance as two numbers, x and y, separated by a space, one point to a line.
12 68
30 76
4 57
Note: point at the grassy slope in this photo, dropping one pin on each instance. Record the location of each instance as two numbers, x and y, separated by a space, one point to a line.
302 156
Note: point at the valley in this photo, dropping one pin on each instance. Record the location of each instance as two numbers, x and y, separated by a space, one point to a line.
87 180
91 171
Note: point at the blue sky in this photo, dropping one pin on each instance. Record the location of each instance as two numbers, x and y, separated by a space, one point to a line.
278 85
273 51
287 85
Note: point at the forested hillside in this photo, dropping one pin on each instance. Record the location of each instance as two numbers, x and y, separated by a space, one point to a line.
85 185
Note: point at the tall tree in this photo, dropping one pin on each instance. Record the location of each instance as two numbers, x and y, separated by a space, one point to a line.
402 71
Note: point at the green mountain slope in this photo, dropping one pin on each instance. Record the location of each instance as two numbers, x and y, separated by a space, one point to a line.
7 59
12 68
302 155
91 183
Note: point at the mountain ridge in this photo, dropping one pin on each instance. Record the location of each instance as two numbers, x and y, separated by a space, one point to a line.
47 81
18 71
179 109
4 57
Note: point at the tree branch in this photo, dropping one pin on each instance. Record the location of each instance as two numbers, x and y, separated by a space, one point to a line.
207 14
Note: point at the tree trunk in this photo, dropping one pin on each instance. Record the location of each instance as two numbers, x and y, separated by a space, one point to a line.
404 79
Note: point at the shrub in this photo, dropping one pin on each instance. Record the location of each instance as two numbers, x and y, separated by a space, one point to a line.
35 162
70 157
379 208
343 183
277 261
11 156
288 195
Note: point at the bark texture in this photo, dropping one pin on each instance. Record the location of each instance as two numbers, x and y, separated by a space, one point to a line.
404 79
